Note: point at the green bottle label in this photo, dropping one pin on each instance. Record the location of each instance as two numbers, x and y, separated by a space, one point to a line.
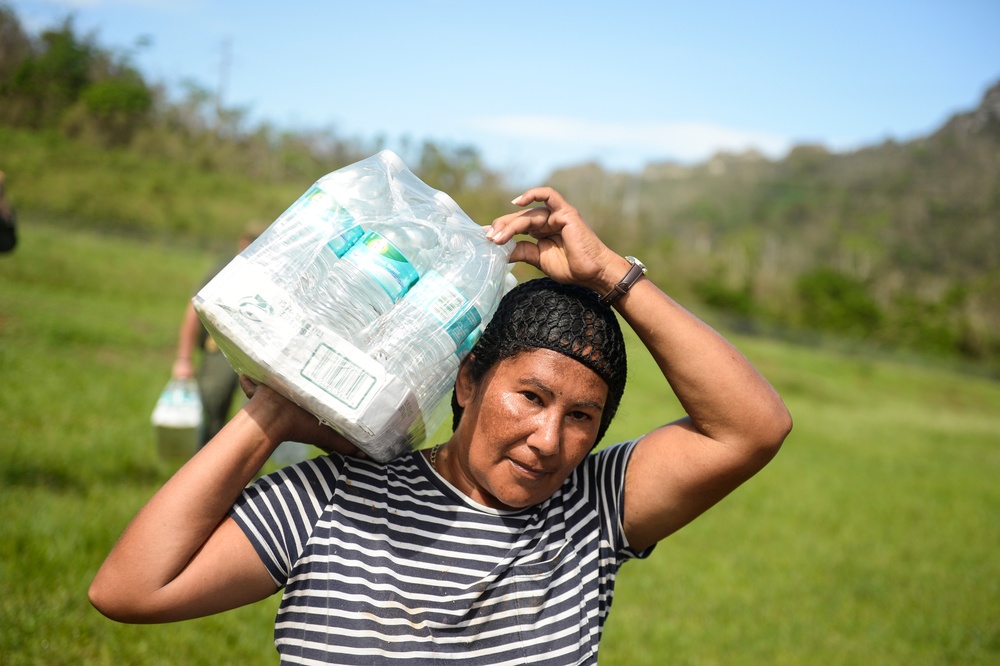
383 261
318 211
443 301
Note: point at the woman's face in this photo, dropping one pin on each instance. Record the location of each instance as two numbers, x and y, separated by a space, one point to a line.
526 425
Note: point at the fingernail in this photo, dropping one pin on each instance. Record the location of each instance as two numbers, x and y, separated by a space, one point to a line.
515 200
489 232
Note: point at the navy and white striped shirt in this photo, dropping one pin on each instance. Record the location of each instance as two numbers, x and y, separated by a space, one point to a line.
389 563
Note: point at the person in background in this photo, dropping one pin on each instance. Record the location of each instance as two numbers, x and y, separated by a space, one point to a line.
8 220
218 383
500 545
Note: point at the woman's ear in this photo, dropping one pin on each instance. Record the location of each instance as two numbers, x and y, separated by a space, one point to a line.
465 386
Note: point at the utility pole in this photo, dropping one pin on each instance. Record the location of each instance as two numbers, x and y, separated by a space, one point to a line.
225 64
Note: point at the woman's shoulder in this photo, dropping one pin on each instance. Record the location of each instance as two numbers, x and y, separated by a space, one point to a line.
610 456
350 469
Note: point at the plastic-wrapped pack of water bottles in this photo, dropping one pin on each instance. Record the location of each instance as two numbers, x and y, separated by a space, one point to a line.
359 302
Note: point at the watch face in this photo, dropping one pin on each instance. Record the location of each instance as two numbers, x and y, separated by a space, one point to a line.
637 263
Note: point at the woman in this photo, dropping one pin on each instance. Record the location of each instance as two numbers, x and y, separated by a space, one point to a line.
500 545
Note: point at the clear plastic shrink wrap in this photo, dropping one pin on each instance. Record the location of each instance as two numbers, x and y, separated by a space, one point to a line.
359 302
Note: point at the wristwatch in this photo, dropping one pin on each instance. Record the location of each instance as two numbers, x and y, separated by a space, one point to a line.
637 270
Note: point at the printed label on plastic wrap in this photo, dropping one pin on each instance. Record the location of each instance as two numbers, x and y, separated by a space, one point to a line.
263 312
375 255
339 376
368 405
439 298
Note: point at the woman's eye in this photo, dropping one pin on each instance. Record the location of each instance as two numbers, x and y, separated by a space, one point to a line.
579 416
530 396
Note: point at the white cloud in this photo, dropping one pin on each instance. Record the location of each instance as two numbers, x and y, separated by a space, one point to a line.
683 141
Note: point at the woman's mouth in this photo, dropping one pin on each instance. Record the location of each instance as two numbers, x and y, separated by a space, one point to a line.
528 471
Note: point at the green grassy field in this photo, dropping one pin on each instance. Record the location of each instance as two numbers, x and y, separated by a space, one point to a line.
871 539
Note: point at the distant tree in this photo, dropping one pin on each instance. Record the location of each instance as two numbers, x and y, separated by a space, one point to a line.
50 79
450 169
15 46
836 302
714 291
62 80
117 100
115 108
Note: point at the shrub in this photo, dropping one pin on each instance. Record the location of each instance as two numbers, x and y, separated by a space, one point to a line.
833 301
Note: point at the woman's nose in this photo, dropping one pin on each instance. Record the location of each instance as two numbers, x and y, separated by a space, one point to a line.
546 434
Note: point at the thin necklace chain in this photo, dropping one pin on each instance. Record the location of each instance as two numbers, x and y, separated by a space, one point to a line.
434 456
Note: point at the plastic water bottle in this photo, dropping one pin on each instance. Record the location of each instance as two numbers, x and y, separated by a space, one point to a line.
375 273
321 240
395 251
356 241
179 405
439 380
435 387
308 238
443 310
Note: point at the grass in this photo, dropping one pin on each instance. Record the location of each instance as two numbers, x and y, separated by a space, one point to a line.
871 538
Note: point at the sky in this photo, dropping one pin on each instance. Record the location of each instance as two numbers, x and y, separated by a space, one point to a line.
535 86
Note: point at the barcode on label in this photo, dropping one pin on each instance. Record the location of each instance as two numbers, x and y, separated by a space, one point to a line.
447 304
338 375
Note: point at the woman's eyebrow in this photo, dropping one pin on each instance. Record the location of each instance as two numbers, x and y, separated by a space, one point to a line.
538 384
544 388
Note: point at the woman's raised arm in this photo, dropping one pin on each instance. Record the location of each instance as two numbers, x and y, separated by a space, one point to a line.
735 420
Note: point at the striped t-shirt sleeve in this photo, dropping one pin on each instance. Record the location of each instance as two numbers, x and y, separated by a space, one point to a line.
279 511
609 470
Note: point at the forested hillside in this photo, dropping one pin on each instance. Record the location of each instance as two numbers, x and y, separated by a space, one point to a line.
85 139
896 244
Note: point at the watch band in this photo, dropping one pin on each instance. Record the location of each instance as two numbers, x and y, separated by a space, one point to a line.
636 271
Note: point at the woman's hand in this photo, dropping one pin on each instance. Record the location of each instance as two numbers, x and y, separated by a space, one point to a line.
289 422
183 369
567 250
